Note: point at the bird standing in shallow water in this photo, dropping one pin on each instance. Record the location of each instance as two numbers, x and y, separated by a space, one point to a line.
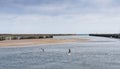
42 49
69 51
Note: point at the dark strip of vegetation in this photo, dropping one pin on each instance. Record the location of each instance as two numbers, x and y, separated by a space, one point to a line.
106 35
24 36
29 36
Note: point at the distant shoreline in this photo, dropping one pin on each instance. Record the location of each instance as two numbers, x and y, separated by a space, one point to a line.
32 42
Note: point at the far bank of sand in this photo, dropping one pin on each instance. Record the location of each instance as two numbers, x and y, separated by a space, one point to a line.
27 42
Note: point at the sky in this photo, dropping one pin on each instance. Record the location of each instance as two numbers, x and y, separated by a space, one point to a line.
59 16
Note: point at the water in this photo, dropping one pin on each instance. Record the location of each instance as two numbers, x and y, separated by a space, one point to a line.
99 53
69 37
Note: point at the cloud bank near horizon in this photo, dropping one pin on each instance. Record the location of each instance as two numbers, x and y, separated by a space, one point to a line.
59 16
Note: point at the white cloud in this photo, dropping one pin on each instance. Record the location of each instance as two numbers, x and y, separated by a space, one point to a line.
46 8
78 23
99 3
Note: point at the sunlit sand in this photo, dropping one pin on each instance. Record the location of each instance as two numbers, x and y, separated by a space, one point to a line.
28 42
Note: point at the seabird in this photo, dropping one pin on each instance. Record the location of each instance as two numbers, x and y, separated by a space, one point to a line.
69 51
42 49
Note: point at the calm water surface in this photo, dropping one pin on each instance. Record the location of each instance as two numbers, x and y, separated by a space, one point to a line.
99 53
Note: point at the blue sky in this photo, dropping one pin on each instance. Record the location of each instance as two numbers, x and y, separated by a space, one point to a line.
60 16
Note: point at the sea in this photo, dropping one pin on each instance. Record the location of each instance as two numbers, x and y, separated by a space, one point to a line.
98 53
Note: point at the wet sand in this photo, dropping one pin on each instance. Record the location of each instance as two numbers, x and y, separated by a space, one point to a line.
29 42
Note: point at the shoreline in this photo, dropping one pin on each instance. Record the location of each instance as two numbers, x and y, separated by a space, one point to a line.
35 42
33 45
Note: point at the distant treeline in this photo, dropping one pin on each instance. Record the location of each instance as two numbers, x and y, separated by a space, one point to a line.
29 36
106 35
24 36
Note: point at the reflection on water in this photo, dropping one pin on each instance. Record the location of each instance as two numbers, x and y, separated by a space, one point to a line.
95 54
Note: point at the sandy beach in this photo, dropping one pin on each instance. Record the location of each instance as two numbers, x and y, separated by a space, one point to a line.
28 42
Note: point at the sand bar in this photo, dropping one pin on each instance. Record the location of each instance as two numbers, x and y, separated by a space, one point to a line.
28 42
